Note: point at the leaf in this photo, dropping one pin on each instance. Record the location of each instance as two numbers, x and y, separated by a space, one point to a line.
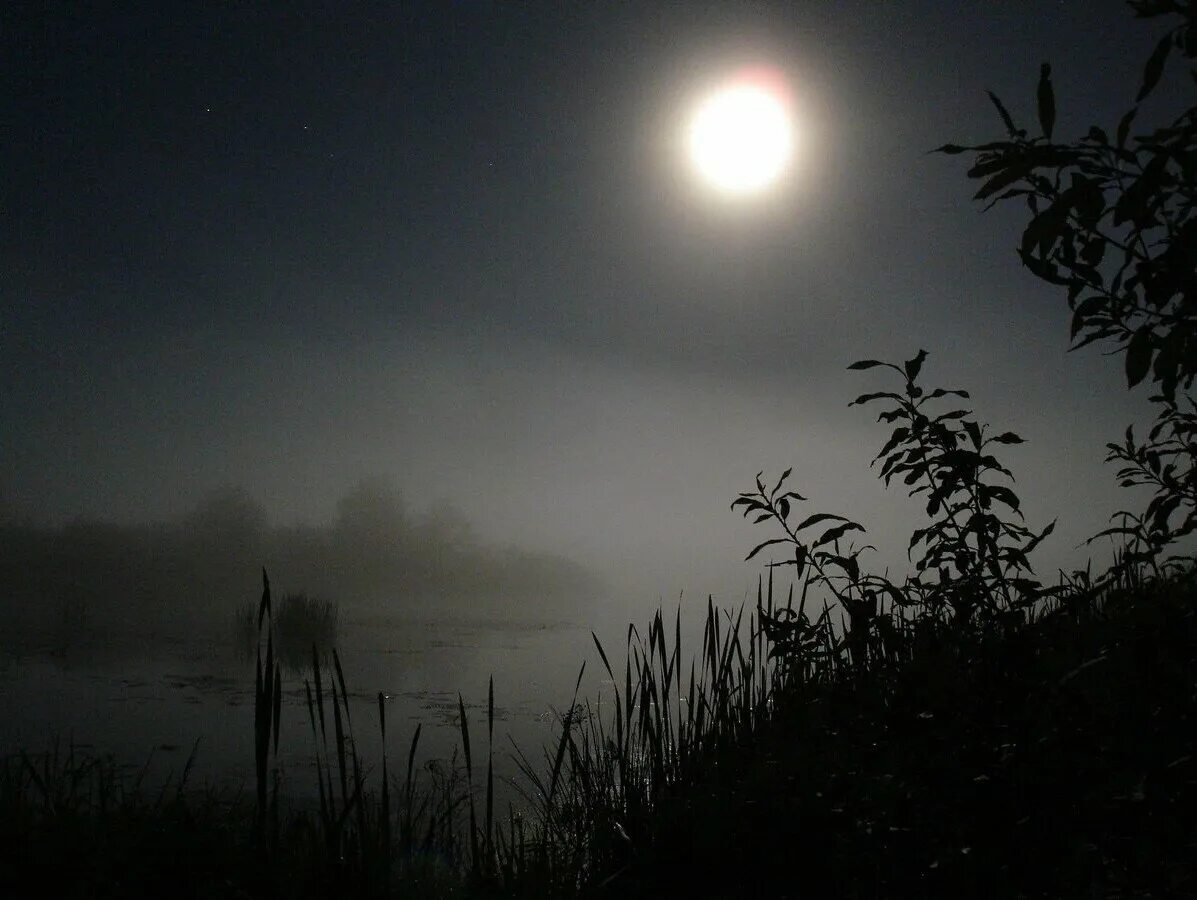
913 366
989 163
1094 251
941 392
1008 437
1047 101
1038 538
1137 201
958 460
1002 494
915 537
1155 67
834 534
800 561
264 606
1002 179
867 364
954 414
1044 230
1094 336
1164 510
759 547
1138 356
1009 123
852 567
950 149
899 435
1084 311
1169 359
867 398
1088 198
1107 532
974 432
780 482
1045 270
819 517
1124 125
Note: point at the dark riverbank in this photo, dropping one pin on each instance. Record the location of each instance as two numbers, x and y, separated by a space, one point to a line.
1054 759
1059 760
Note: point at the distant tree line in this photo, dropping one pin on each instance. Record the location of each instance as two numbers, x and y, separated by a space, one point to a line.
208 562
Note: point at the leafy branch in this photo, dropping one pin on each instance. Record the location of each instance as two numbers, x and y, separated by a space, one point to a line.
972 566
976 543
1114 221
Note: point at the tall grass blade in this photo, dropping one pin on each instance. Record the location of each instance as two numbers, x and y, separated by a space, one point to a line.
409 787
490 769
465 741
566 722
339 739
385 811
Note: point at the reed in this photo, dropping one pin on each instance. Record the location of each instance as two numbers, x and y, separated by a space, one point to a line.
771 722
298 621
777 716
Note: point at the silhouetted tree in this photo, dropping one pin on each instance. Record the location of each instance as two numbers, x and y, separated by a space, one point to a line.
972 566
446 525
1113 220
227 515
372 512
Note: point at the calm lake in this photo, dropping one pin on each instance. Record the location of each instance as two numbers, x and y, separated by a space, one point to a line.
148 697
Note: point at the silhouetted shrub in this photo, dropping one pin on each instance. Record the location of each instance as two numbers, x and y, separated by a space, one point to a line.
301 622
1113 220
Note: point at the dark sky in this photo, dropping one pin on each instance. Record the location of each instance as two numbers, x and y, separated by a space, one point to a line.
287 246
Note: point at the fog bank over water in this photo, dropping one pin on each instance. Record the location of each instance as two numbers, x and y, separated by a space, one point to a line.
290 283
375 554
585 460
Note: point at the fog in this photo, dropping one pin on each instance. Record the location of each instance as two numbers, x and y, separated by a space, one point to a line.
462 263
197 571
510 483
418 308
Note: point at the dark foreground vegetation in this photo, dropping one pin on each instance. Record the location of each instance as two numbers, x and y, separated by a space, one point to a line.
967 730
1058 760
1052 759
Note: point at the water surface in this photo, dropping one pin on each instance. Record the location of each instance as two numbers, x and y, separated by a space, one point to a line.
147 697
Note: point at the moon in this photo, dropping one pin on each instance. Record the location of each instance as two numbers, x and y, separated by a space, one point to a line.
740 137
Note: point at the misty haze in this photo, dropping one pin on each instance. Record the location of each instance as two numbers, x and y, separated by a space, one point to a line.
598 450
195 572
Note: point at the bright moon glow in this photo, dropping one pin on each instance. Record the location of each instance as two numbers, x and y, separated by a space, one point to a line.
740 138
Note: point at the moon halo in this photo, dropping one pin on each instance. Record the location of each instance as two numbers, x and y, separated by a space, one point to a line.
740 136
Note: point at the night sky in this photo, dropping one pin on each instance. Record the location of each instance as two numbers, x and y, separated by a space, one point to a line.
457 246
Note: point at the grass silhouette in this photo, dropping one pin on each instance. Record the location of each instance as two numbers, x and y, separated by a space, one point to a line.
965 731
300 621
1052 759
